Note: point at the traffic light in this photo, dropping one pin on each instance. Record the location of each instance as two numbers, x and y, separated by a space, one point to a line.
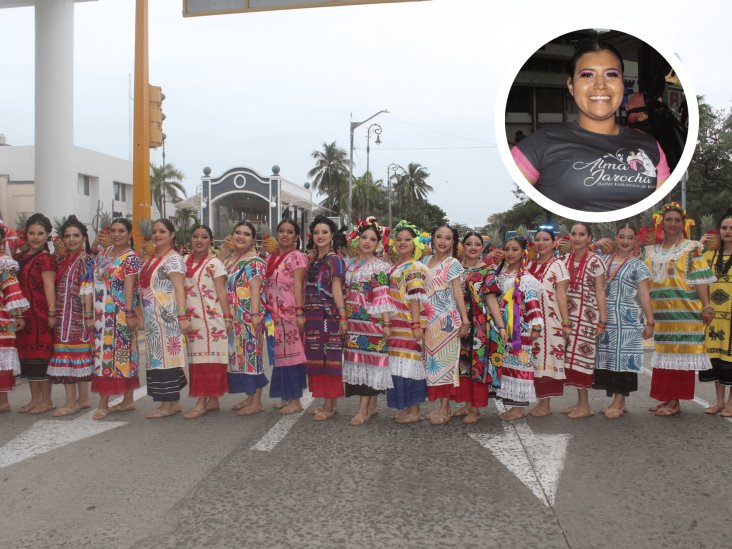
155 108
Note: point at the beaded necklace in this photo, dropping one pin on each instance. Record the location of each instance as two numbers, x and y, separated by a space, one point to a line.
151 264
538 270
576 274
191 268
611 276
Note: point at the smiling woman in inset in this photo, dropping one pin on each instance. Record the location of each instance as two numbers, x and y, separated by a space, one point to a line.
593 164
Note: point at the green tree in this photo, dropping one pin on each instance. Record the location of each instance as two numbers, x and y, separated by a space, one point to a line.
411 185
330 175
369 198
166 183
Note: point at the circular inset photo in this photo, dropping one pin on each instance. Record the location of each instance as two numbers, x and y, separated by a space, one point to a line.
598 125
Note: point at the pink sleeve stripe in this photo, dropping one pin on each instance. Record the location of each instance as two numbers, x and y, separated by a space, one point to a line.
526 167
662 170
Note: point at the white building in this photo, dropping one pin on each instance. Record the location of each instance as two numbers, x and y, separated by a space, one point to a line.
103 183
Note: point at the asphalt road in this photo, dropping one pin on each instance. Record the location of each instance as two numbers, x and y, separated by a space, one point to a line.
639 481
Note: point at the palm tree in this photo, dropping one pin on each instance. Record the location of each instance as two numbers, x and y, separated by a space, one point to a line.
185 219
369 197
411 186
330 175
165 183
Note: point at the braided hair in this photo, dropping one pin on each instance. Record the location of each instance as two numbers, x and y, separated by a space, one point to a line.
455 238
721 267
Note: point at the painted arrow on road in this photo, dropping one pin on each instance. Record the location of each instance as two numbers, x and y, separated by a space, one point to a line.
536 460
48 434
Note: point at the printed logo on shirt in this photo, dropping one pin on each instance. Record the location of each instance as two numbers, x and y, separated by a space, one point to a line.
626 168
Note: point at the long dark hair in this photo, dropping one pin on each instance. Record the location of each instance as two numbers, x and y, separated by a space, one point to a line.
721 267
322 220
455 238
298 244
524 246
72 221
168 224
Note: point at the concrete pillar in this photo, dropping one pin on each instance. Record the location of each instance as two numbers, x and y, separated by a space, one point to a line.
55 176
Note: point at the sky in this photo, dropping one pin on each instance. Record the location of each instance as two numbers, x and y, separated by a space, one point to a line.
259 89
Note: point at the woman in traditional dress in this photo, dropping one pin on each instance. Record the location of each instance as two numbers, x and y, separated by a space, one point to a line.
285 301
620 347
37 277
115 325
12 308
165 319
72 362
552 274
477 373
447 320
719 332
368 308
680 279
325 319
244 285
406 357
586 305
521 314
207 304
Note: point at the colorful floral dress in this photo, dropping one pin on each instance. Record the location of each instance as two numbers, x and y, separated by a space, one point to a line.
517 364
208 343
115 348
288 370
442 337
72 358
679 331
35 341
719 332
165 343
579 359
323 345
246 370
11 299
366 354
406 357
477 372
549 348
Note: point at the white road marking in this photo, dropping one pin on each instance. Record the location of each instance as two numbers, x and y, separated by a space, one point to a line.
536 460
698 400
48 434
275 435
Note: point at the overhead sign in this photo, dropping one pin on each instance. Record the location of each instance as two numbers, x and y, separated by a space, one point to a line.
194 8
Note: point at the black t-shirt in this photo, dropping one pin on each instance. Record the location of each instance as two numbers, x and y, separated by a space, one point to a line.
590 171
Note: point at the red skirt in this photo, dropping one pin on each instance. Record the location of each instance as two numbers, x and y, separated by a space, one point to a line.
546 387
7 381
324 386
471 391
208 380
111 386
439 391
672 384
578 379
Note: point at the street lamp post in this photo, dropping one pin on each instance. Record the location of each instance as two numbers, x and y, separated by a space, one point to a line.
377 131
353 126
390 168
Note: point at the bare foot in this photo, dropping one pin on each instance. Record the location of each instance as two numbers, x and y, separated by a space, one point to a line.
278 405
84 405
250 409
213 407
666 411
579 413
614 413
100 414
727 412
159 413
568 410
440 418
292 407
358 419
657 407
195 413
472 418
713 409
4 408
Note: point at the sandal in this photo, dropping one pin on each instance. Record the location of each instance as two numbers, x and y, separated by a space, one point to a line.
668 412
406 419
438 419
614 413
61 412
357 420
727 412
655 408
158 414
323 416
118 408
580 415
714 409
471 419
100 414
249 411
195 413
